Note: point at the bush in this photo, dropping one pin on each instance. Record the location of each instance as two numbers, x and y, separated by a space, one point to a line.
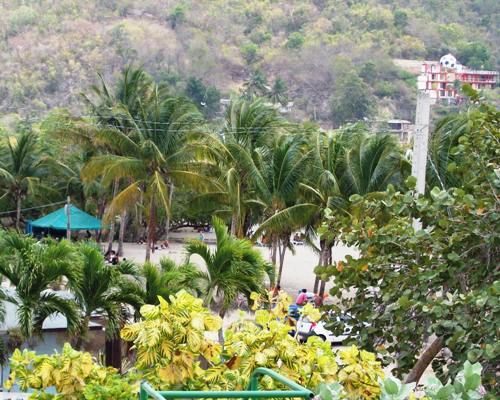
249 52
467 386
173 352
73 374
21 18
295 40
384 89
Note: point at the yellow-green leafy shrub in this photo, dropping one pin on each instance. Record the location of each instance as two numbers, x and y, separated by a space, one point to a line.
69 372
174 352
170 340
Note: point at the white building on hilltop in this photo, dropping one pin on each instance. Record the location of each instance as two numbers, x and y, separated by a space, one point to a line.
442 80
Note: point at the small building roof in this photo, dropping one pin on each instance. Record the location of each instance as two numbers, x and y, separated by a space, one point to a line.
398 121
79 220
55 322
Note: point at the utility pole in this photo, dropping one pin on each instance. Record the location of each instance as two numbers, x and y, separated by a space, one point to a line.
420 145
68 216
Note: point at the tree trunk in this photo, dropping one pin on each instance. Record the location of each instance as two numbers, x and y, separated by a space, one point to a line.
234 222
139 209
282 251
18 212
170 196
151 229
121 235
322 289
222 314
320 263
101 207
274 249
327 258
316 278
83 334
113 351
425 359
111 233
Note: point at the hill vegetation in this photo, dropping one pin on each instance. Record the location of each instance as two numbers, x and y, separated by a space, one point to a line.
313 53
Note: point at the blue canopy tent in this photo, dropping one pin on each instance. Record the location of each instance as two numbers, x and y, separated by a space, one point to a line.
58 221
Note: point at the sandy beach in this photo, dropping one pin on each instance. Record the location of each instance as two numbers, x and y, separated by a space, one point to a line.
298 271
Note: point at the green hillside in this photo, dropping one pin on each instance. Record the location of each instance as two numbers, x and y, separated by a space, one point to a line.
313 53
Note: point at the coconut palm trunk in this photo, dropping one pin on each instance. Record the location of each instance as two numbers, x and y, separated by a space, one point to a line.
111 233
139 209
170 199
282 250
121 235
327 260
233 225
316 278
18 212
151 229
274 249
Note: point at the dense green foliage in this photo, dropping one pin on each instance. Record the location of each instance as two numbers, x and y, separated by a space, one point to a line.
439 285
50 51
104 290
166 278
467 386
233 268
73 374
32 268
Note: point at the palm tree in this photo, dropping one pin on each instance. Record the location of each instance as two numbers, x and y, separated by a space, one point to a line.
322 191
255 85
130 90
363 164
250 127
21 169
442 156
370 164
106 290
168 278
344 162
118 107
233 268
32 267
278 93
155 155
281 173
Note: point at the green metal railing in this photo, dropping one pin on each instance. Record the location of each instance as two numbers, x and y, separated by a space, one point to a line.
253 392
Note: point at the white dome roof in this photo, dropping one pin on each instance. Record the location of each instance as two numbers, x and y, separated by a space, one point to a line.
448 61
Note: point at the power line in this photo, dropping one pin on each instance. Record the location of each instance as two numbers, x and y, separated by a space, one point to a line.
33 208
151 126
153 123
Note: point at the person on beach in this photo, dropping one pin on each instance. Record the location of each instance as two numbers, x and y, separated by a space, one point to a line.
301 298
